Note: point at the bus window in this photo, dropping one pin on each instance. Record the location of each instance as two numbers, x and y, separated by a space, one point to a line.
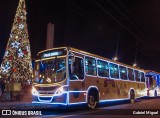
50 71
90 66
142 77
114 72
137 75
152 82
77 69
131 74
103 69
123 72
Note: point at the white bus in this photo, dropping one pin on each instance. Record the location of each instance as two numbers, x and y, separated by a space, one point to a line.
152 83
67 76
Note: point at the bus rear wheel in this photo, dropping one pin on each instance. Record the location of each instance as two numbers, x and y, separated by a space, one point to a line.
91 102
132 96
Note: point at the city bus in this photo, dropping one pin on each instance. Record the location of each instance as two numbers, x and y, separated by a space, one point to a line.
66 76
152 83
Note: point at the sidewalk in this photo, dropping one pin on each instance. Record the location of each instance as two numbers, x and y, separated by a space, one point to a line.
26 103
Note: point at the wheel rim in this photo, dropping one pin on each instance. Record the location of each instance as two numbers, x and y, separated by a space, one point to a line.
91 102
132 96
132 100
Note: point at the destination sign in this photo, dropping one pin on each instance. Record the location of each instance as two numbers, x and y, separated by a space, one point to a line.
53 53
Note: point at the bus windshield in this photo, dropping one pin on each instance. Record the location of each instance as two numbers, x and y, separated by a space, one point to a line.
50 71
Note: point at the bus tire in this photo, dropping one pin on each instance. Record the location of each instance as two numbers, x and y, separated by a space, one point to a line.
91 102
155 94
132 96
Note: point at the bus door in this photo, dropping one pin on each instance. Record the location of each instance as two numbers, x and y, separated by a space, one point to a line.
76 79
158 81
147 85
151 84
147 82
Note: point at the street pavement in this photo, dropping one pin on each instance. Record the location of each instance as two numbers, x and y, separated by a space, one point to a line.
142 108
120 109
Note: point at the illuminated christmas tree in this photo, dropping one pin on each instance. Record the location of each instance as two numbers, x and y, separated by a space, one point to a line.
16 64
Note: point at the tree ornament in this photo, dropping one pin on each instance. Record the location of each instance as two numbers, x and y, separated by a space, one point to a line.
15 44
21 26
10 57
6 54
20 53
19 19
14 70
6 67
25 52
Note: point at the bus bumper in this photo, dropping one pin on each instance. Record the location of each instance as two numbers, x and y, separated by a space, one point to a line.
62 99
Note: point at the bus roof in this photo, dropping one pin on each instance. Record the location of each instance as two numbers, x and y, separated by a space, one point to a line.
104 58
151 72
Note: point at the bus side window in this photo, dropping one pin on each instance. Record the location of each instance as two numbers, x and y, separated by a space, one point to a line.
103 69
131 74
114 71
78 69
137 75
142 77
123 72
90 66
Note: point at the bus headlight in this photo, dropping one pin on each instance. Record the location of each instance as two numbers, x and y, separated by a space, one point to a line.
59 91
34 91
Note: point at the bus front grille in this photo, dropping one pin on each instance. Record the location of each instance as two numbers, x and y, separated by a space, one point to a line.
50 88
45 98
46 92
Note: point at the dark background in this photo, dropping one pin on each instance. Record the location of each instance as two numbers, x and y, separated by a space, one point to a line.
130 27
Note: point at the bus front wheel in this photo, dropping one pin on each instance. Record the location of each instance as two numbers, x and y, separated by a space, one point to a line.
132 96
91 102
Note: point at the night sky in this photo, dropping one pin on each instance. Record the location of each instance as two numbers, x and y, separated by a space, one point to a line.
129 27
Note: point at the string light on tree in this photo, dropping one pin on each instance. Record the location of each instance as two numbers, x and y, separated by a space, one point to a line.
16 64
